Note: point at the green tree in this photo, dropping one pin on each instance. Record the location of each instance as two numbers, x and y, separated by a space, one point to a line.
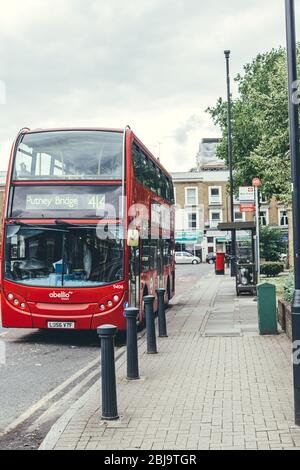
271 244
259 125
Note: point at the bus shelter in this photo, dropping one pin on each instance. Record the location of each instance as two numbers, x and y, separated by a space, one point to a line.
246 257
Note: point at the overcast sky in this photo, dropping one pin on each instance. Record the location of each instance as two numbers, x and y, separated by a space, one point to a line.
153 64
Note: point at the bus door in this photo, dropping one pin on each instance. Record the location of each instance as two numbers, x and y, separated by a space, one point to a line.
134 276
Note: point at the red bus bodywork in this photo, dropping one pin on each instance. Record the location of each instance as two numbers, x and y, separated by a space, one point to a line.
81 305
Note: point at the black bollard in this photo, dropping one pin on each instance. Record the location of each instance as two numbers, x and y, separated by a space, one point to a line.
150 324
131 315
108 372
162 325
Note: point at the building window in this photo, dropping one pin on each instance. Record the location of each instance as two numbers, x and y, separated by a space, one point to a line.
215 218
210 239
283 218
262 198
192 221
191 196
263 218
239 216
215 195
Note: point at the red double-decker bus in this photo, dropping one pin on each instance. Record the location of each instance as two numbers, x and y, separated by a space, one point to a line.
87 229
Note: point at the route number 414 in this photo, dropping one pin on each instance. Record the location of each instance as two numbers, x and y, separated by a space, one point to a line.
97 201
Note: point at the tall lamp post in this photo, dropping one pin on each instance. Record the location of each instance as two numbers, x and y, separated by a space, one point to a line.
257 183
233 234
295 160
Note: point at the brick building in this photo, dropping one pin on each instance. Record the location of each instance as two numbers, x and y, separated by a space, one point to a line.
203 202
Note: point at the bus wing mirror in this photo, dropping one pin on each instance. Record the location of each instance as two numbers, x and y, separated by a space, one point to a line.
133 238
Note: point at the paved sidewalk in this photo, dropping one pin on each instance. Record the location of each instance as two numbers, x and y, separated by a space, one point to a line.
215 384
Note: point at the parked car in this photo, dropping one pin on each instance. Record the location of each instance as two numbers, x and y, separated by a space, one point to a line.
211 258
184 257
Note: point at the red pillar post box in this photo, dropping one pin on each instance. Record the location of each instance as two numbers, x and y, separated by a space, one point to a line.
220 264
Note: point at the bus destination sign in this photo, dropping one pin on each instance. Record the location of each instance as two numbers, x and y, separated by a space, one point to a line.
82 201
65 201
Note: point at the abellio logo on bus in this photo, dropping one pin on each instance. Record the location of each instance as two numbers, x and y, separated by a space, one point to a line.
60 295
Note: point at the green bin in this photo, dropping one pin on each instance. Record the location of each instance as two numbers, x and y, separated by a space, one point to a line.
266 304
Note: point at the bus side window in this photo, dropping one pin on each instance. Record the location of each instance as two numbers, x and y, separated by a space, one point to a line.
160 183
152 176
145 255
168 252
154 254
165 184
167 194
172 198
165 253
169 191
139 162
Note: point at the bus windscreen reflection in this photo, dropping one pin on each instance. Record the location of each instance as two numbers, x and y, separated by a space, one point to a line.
63 256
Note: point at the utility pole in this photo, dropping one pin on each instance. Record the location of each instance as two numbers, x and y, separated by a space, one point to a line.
233 233
295 160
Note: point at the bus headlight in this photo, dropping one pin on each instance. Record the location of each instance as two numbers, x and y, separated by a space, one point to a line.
102 307
109 303
17 301
116 298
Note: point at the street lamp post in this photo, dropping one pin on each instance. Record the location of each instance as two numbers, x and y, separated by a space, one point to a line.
295 160
257 183
233 234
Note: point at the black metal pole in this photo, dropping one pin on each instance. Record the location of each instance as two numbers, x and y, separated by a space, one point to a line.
295 160
131 314
150 324
233 234
107 334
162 324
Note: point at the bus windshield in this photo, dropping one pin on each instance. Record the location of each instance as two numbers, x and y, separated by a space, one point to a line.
64 255
73 155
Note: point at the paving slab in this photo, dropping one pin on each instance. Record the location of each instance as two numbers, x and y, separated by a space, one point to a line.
214 384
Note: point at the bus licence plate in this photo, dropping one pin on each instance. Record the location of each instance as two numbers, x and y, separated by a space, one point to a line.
61 325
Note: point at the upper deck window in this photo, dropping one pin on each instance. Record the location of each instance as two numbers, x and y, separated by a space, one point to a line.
69 155
150 175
